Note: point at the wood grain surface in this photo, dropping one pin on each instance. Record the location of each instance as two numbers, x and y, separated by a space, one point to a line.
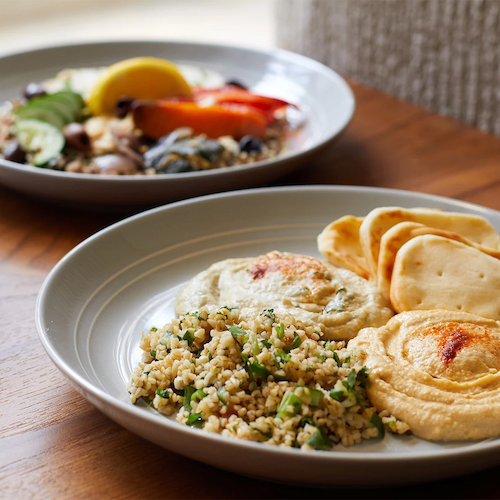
54 444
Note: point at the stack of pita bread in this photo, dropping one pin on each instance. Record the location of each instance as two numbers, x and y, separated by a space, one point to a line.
420 258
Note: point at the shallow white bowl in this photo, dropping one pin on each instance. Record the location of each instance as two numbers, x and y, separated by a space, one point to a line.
98 300
323 96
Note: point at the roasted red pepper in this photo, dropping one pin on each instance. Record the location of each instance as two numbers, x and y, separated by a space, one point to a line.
159 118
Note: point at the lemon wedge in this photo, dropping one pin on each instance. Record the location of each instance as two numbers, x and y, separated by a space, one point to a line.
137 78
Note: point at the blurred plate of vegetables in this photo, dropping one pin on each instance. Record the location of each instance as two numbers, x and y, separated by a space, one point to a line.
143 123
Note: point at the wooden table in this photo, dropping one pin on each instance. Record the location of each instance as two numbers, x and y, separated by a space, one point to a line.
53 443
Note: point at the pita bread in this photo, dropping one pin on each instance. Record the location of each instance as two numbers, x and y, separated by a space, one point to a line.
339 243
432 272
380 220
398 235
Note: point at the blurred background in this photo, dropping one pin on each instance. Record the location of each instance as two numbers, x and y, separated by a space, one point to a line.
442 54
32 23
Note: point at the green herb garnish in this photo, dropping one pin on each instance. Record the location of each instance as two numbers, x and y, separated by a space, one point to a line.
289 399
153 354
362 376
376 421
296 341
236 331
338 395
270 314
351 380
163 393
153 329
280 330
189 337
282 357
266 343
309 395
319 356
337 359
188 393
195 420
319 441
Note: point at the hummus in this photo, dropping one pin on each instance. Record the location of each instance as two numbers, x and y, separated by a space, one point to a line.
436 370
314 292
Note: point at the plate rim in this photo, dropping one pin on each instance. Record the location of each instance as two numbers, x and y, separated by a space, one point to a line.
197 175
469 450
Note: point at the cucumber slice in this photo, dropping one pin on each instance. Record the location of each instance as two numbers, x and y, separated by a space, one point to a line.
58 109
74 102
64 111
43 114
41 138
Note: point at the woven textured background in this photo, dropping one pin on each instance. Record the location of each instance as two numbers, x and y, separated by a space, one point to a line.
442 54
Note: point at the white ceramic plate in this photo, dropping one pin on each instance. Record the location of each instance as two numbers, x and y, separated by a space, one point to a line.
98 300
323 96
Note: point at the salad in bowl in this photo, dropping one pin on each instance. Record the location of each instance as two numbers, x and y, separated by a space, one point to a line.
143 116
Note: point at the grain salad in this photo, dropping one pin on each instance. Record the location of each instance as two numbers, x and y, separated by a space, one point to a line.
270 379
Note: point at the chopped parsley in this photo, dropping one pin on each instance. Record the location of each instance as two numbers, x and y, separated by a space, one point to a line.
196 314
338 395
236 331
269 313
267 435
153 329
319 441
280 330
362 376
289 400
266 343
351 380
376 421
337 359
153 354
163 393
188 393
189 337
195 420
296 341
282 357
319 356
210 356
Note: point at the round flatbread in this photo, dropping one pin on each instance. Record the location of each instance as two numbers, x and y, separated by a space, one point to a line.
432 272
380 220
398 235
339 243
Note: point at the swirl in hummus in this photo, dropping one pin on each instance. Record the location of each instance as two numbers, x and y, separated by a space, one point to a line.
312 291
436 370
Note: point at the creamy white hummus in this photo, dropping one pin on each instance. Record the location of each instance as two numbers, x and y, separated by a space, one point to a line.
314 292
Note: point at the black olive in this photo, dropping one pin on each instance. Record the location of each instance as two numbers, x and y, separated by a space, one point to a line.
34 90
14 152
249 144
123 106
236 83
76 137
